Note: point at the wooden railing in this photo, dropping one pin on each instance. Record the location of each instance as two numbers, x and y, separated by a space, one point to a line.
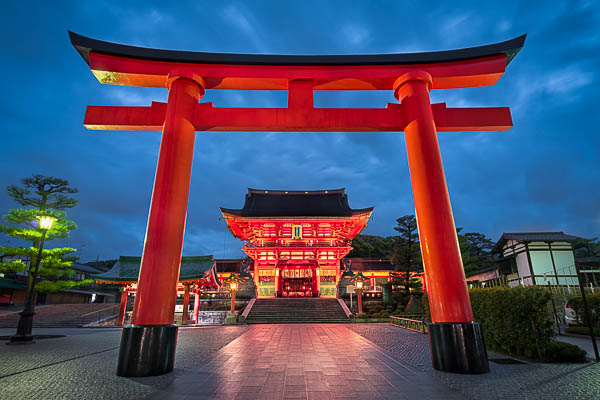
415 323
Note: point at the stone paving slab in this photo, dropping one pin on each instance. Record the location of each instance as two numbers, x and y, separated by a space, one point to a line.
523 381
276 362
83 365
304 362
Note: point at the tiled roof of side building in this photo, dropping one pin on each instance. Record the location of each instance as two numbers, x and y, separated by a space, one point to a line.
127 269
296 203
535 237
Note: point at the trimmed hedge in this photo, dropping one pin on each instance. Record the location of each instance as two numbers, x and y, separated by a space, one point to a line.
582 330
518 321
561 352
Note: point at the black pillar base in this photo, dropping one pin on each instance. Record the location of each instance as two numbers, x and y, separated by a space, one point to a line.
18 339
147 350
458 347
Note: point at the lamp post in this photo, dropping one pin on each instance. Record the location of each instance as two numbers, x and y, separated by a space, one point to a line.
24 335
234 282
233 288
359 280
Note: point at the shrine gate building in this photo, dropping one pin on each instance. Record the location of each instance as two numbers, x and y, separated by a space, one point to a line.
296 239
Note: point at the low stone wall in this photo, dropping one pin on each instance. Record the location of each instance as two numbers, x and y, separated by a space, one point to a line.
211 317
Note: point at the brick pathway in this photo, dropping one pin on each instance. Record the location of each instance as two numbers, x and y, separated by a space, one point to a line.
304 362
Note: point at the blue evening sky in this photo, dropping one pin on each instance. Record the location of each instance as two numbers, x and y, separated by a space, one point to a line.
542 175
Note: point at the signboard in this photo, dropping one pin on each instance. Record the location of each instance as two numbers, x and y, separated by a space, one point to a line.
350 289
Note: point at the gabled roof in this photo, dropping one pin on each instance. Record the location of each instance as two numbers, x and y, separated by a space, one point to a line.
296 203
527 237
127 269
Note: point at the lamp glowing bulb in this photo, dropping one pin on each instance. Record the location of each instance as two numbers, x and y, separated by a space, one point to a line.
46 221
359 284
233 286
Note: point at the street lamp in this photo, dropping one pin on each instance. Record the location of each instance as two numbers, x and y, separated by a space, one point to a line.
234 282
359 280
24 335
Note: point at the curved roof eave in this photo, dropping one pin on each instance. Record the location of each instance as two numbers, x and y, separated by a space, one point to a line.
84 45
244 214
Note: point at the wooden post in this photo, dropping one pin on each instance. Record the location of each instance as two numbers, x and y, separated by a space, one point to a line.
186 304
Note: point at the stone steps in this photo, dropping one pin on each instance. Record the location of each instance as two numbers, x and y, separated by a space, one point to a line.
63 315
286 311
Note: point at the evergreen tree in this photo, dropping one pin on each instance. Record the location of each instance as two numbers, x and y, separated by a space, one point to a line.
587 247
475 251
407 253
44 196
370 246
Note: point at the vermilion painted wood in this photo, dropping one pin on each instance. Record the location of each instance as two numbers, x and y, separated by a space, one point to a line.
122 307
446 287
159 271
484 71
186 303
299 117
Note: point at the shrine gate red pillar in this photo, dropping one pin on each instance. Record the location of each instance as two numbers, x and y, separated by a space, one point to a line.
148 346
122 306
456 341
186 305
196 306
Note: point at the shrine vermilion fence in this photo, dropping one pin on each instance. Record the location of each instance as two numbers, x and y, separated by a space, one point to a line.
148 346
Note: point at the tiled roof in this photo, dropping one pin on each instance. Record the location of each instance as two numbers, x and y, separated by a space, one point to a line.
296 203
127 269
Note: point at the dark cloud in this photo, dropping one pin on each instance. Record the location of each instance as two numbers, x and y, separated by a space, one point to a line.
542 174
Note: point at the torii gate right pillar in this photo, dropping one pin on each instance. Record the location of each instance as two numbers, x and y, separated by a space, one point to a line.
456 341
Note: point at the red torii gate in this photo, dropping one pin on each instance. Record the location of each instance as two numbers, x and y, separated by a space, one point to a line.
148 346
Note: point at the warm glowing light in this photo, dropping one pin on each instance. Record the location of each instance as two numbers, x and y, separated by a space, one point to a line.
46 221
233 286
359 284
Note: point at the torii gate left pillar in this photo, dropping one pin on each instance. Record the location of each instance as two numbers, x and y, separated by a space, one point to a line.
148 346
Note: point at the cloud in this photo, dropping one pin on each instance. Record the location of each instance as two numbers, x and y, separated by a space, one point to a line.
355 35
240 17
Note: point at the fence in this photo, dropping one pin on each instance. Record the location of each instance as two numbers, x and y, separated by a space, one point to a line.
100 315
415 323
564 282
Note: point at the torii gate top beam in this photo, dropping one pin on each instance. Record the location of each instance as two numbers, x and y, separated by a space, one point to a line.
136 66
300 75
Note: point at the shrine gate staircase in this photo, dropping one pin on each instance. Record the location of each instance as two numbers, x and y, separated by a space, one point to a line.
296 311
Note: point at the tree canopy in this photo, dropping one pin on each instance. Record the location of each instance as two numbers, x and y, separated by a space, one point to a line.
47 197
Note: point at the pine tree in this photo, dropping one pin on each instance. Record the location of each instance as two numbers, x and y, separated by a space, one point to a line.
407 253
46 268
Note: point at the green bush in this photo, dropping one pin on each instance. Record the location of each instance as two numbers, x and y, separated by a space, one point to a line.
582 330
593 301
361 315
414 306
560 352
516 321
384 314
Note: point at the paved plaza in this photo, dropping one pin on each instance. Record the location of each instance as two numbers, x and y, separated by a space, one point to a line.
309 361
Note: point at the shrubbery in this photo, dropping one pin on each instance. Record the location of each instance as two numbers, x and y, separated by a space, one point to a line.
560 352
593 301
518 321
515 321
582 330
